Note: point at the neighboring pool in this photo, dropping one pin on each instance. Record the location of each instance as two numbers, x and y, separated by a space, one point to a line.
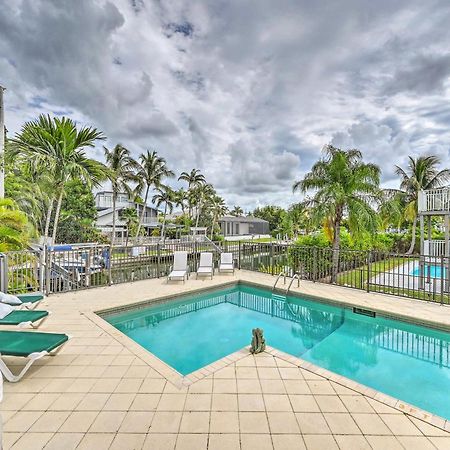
405 361
435 271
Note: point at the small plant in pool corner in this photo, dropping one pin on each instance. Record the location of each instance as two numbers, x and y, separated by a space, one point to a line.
258 342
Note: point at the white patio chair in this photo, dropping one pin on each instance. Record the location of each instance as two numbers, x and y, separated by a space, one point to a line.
226 262
205 266
180 267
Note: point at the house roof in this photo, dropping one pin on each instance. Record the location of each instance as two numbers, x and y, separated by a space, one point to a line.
242 219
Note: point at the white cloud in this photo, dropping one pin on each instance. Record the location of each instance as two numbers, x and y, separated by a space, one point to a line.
249 92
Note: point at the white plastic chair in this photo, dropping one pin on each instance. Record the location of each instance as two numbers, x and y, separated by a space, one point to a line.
180 267
226 262
205 266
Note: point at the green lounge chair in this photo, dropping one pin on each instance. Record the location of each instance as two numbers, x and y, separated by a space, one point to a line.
31 300
29 344
25 318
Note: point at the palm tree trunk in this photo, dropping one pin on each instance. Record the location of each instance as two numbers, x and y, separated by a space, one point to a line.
336 248
199 208
189 201
413 237
141 218
48 219
113 237
58 210
212 227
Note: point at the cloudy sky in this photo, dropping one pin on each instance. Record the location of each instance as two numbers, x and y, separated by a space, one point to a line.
246 91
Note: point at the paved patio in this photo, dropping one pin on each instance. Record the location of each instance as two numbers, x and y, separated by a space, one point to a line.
103 392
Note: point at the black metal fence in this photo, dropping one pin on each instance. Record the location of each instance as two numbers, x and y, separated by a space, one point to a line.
415 276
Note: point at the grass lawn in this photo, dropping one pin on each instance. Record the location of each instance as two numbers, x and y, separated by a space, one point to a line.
417 294
267 240
358 277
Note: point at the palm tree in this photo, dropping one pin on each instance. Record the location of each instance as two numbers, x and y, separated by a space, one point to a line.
28 187
58 147
194 179
218 209
421 173
14 226
164 195
345 187
202 193
131 219
152 170
237 211
298 214
121 171
180 199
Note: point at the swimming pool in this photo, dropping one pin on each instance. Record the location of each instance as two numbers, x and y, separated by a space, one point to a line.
406 361
435 271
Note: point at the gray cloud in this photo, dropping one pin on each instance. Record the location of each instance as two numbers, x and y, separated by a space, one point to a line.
424 75
249 92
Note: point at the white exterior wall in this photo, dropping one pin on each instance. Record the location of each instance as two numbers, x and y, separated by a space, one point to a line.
107 220
243 229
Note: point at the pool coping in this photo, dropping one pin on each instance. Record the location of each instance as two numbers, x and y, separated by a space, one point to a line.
180 381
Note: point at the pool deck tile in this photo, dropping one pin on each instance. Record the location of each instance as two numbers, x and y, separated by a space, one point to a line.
104 391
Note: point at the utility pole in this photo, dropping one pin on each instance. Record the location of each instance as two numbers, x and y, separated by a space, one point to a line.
2 145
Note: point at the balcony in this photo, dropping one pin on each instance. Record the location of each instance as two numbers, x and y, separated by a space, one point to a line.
106 203
434 201
150 221
435 248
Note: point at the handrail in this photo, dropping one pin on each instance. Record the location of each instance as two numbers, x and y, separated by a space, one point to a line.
290 284
214 245
281 274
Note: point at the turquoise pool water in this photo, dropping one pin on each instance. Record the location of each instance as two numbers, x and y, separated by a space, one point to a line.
405 361
435 271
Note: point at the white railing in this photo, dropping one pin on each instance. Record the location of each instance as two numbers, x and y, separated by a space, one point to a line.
141 240
105 202
434 200
434 248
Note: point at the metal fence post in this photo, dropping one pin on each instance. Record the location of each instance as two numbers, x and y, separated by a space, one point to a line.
271 258
110 263
239 255
48 270
448 277
195 255
369 257
315 264
158 272
3 272
42 269
87 268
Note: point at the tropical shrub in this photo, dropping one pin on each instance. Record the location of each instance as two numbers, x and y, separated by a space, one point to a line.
15 231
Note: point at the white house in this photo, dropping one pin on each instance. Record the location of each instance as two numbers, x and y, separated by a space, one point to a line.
243 226
103 202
